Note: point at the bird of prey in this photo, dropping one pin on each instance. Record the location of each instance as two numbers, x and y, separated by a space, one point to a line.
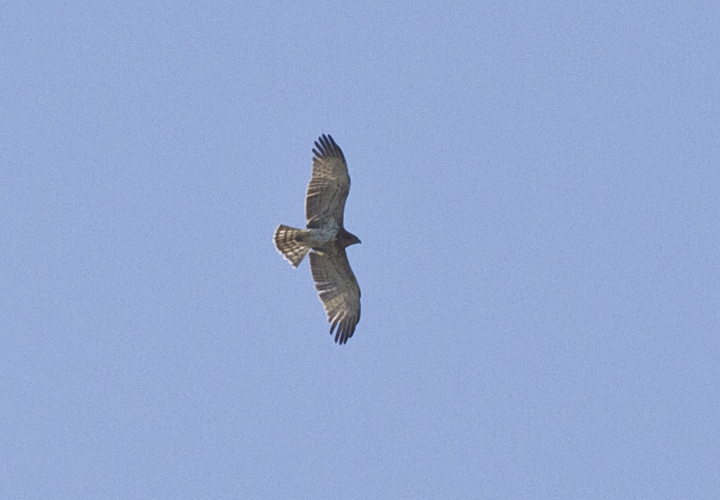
326 239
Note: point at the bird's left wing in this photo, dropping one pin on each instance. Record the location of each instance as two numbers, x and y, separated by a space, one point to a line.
338 290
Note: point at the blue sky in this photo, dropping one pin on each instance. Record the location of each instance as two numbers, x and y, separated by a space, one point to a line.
536 185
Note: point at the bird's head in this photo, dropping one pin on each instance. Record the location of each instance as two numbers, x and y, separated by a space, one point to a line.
349 239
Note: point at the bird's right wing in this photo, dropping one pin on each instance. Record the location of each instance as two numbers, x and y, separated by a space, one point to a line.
329 185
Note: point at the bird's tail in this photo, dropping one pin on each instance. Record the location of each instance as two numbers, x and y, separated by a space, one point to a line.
289 242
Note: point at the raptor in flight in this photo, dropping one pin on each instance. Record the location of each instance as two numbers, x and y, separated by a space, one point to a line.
326 239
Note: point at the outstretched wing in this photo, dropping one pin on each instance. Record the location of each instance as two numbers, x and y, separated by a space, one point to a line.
338 290
329 185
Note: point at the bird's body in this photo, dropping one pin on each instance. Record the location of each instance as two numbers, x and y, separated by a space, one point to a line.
326 239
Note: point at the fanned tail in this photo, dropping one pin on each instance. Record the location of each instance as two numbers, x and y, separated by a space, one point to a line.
288 241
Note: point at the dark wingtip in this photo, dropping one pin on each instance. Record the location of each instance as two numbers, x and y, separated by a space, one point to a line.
345 331
326 146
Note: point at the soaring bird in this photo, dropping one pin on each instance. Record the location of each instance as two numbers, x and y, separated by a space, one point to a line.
326 239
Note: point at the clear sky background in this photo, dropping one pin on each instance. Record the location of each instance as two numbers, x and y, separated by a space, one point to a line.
537 189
